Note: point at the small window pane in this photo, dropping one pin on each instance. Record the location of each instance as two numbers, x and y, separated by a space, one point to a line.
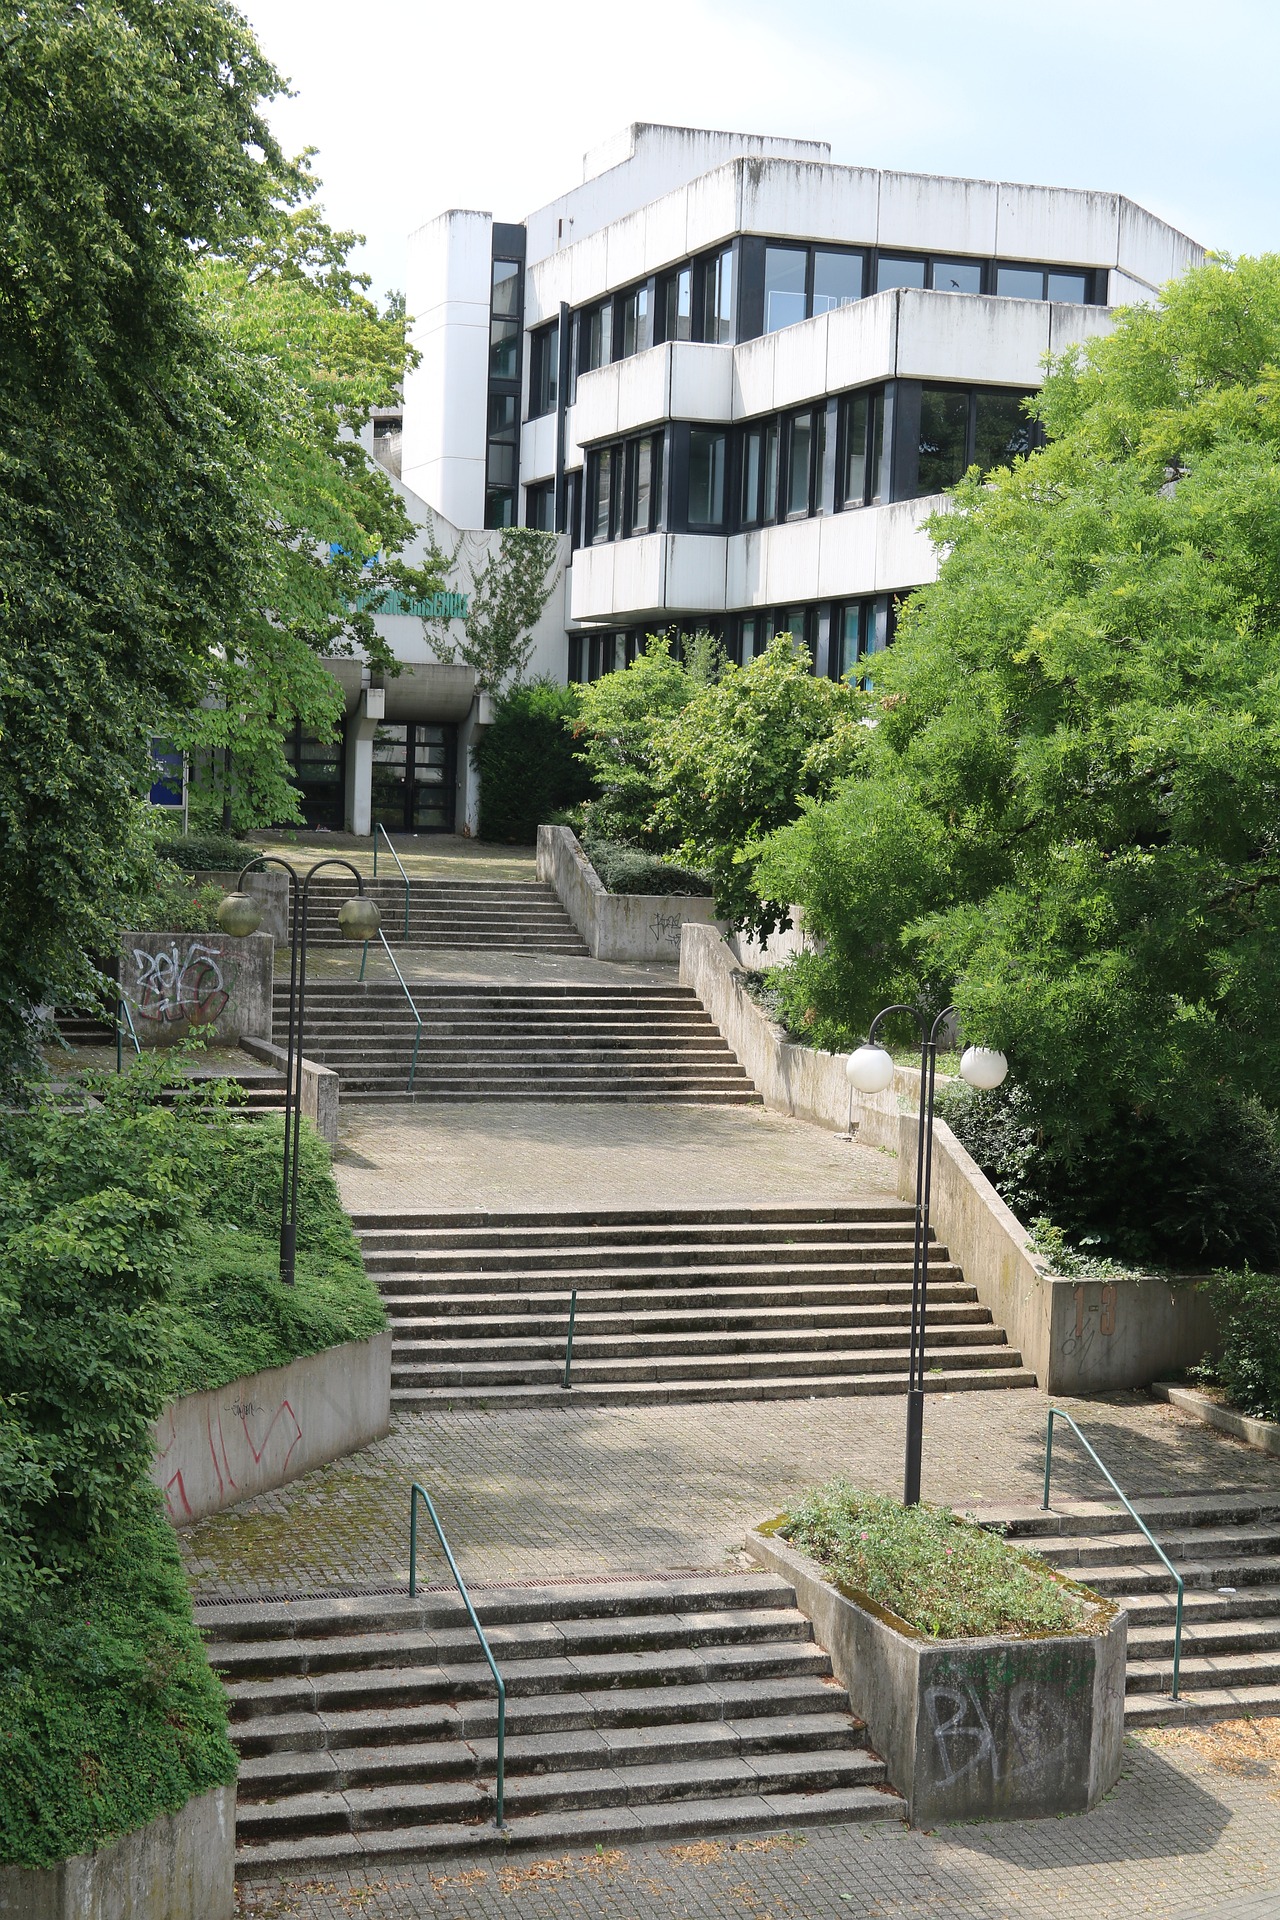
849 640
502 416
944 426
637 333
1020 283
857 413
679 315
642 486
837 280
1003 430
540 506
506 287
504 349
499 507
893 272
601 503
957 276
1073 287
799 463
502 464
752 459
784 274
723 328
706 478
545 372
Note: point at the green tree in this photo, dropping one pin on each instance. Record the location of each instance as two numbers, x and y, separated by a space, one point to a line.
508 595
1066 815
528 769
740 759
132 144
620 721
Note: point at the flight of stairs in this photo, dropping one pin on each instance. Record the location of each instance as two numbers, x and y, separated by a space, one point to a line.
1230 1639
367 1727
677 1306
514 916
486 1041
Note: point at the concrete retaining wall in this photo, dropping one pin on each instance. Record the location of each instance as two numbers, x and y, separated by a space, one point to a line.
179 1867
262 1431
1262 1434
319 1085
271 888
616 926
178 984
1011 1729
1080 1336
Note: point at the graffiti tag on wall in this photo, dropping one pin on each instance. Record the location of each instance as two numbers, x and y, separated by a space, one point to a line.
180 984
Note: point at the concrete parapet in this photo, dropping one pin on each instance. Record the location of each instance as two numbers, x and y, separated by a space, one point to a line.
209 984
319 1085
270 887
1262 1434
266 1429
616 926
178 1867
991 1728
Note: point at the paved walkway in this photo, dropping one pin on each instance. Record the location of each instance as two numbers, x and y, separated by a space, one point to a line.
1191 1832
440 856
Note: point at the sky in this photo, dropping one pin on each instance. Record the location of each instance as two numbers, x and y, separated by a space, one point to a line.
418 107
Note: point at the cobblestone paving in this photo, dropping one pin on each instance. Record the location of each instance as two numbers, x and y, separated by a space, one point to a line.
591 1492
1192 1829
543 1155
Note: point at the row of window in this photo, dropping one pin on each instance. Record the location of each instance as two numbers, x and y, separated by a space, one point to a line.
502 444
899 441
758 286
840 637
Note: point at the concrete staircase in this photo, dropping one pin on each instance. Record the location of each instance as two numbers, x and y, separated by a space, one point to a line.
486 1041
367 1728
514 916
722 1303
1227 1549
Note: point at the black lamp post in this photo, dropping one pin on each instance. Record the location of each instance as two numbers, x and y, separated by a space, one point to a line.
239 915
870 1070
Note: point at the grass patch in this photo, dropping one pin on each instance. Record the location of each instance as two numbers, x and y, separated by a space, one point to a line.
944 1575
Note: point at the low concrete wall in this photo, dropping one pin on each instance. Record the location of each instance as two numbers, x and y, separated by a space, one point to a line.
179 1867
1011 1729
319 1085
262 1431
616 926
1262 1434
178 984
1079 1336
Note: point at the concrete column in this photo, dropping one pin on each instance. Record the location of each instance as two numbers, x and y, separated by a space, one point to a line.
467 813
361 728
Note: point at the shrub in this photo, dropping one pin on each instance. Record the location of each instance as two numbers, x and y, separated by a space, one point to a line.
1248 1365
627 869
205 852
622 720
526 762
180 902
943 1575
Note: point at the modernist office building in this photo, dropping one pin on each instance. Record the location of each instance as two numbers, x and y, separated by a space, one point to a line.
734 378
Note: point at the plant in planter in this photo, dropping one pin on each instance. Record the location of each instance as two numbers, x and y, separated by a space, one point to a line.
992 1685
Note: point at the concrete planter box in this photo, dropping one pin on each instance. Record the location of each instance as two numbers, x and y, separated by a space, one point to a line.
179 1867
617 926
1005 1729
1262 1434
319 1085
266 1429
178 984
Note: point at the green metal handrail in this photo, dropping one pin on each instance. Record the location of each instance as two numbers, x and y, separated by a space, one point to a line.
380 829
417 1038
1059 1414
568 1345
122 1007
417 1492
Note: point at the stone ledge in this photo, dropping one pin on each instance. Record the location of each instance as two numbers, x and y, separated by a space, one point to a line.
1262 1434
216 1448
616 926
179 1867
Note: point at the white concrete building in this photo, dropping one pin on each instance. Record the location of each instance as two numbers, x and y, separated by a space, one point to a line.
734 378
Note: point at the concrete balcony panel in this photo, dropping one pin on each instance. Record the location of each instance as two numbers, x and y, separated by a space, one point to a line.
790 562
1053 223
588 269
696 569
1124 291
905 556
810 201
625 250
1149 250
927 213
1069 325
701 381
538 449
847 554
644 386
619 578
595 409
711 209
745 569
665 224
753 365
862 342
971 337
800 362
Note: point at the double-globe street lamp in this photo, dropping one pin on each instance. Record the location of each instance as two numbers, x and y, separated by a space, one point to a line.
870 1070
240 914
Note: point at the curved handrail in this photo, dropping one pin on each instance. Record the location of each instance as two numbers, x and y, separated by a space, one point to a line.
1060 1414
417 1040
417 1492
380 829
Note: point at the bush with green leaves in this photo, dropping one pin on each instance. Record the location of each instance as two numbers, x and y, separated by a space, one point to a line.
528 770
621 722
626 869
1247 1363
942 1574
205 852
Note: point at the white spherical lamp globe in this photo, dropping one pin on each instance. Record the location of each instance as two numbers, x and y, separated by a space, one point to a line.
983 1067
870 1069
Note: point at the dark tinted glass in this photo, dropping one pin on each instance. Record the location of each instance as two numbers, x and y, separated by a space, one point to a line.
706 478
601 503
679 308
545 372
506 287
499 507
1069 286
849 639
640 513
957 276
784 277
720 316
837 280
857 411
504 349
637 330
893 272
799 462
1003 430
1020 283
944 424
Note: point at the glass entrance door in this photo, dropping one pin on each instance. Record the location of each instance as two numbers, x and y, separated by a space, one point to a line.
414 768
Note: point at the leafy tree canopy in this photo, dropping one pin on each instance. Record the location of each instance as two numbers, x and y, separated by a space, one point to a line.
620 719
1066 814
509 591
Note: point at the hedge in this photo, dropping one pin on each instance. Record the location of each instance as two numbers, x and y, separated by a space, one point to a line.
527 762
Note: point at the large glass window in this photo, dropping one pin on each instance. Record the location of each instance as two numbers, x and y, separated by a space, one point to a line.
1020 283
504 321
635 322
760 473
837 279
1002 429
785 270
718 316
957 276
595 337
600 497
544 369
706 477
678 305
1073 287
944 438
863 463
540 506
644 483
800 461
893 271
504 429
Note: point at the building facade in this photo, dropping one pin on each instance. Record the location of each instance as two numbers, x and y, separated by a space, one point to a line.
735 379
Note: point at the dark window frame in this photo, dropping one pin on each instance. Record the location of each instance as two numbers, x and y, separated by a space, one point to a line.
544 369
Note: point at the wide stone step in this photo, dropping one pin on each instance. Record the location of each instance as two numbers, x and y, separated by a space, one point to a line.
1206 1638
1228 1670
1156 1610
825 1386
1202 1707
690 1096
647 1233
1203 1544
669 1366
871 1213
728 1272
1127 1578
454 1332
713 1252
505 1359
